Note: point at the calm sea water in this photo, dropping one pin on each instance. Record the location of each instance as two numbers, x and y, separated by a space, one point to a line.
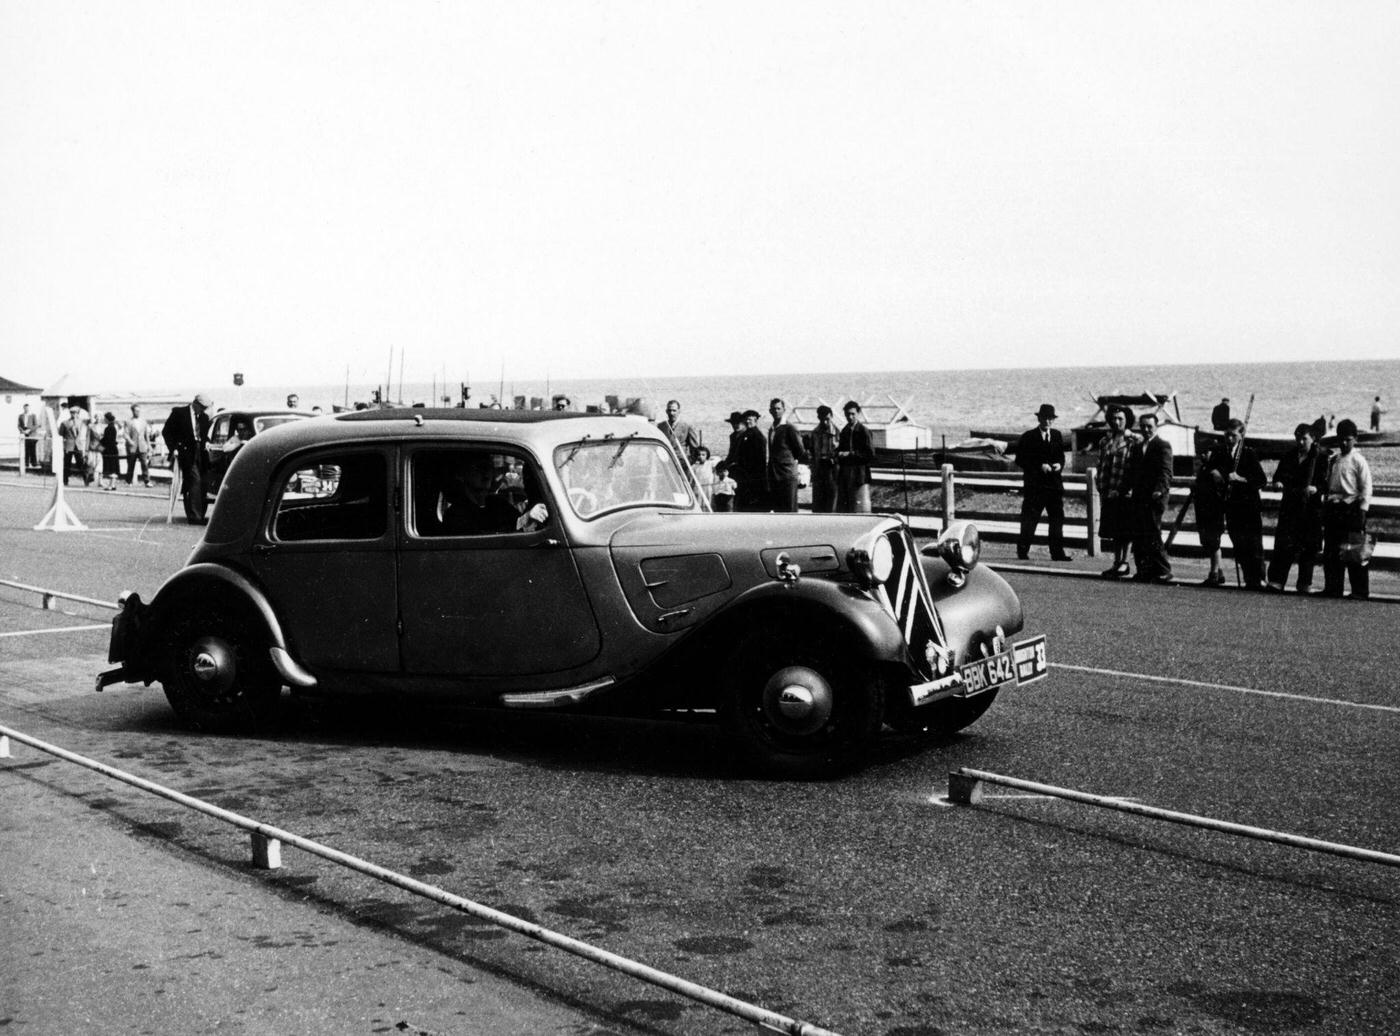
953 402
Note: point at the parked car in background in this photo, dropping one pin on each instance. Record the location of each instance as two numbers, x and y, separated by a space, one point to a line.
552 560
230 430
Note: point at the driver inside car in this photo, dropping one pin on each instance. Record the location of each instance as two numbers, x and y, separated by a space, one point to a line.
468 507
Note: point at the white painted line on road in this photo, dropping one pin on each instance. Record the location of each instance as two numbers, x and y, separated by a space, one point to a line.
57 629
1225 687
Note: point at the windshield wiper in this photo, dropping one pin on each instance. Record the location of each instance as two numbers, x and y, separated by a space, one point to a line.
618 455
577 446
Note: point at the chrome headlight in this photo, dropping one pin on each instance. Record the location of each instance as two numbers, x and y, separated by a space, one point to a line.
872 566
961 547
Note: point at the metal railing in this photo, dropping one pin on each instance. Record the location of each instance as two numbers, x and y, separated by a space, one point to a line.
266 852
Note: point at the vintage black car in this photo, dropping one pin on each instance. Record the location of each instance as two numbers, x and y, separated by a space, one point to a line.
229 432
543 560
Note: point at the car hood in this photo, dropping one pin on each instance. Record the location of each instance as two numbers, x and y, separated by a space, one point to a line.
696 531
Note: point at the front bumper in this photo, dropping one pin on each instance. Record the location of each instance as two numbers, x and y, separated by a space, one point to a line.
1000 666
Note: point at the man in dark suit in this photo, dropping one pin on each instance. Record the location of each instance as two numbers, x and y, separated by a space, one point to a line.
185 433
785 452
1040 453
1152 482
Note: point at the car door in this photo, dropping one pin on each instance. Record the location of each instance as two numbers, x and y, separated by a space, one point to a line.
218 458
326 558
491 594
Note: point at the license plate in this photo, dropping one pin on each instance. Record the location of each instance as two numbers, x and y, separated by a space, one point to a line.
1031 664
987 673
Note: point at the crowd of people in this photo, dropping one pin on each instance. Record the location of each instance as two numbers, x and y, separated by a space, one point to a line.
763 468
93 449
1325 497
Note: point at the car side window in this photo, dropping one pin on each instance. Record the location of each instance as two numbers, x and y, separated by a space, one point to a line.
333 496
475 492
218 431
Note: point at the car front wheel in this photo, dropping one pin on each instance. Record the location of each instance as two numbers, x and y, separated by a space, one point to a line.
219 675
802 714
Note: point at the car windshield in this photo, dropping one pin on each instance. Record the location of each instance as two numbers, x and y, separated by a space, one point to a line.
612 473
267 421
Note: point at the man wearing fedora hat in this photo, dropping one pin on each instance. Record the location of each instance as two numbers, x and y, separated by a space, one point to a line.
1041 455
186 432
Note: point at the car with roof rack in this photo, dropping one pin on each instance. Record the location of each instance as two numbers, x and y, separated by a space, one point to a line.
558 561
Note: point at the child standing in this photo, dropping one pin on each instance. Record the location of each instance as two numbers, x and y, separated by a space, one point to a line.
722 498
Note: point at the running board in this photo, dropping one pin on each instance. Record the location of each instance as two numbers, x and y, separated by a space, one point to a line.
555 699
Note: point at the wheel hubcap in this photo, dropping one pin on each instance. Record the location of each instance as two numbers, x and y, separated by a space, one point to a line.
212 664
797 700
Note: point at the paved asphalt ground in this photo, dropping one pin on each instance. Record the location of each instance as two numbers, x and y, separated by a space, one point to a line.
866 905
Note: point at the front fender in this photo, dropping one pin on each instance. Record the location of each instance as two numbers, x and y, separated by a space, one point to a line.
984 602
820 608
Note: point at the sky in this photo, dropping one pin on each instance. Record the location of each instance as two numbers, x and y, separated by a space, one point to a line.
584 189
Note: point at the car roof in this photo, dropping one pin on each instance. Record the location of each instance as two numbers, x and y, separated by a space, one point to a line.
539 431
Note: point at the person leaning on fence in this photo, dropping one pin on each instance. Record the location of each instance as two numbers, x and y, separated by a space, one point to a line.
1113 481
1301 476
1347 547
1236 469
1040 453
855 452
1150 487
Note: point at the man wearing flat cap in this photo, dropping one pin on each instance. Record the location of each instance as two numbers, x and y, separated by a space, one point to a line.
185 433
1040 453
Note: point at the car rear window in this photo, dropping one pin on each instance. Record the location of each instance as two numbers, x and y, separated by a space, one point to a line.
333 496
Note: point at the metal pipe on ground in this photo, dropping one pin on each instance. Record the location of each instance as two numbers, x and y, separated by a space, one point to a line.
266 842
964 788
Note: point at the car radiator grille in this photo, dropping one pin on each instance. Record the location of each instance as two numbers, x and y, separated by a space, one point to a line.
905 596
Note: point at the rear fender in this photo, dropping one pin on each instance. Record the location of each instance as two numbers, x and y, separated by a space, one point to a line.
193 585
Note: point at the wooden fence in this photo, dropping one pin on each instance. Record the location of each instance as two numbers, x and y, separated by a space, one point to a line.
932 498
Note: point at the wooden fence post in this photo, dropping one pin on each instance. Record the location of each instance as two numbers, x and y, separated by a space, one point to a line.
1091 509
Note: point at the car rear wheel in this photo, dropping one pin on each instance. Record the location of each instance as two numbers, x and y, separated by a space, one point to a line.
219 676
801 714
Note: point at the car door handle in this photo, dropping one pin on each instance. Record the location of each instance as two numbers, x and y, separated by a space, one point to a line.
679 613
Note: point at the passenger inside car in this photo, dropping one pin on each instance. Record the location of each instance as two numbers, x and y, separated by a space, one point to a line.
473 493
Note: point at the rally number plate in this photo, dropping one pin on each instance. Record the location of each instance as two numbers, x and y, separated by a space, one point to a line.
1031 664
